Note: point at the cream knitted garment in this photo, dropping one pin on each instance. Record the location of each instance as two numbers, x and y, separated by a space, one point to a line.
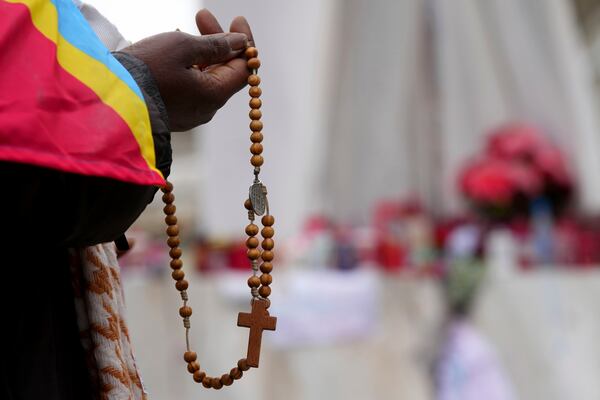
100 309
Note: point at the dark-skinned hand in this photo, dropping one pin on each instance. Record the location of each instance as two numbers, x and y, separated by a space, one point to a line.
196 75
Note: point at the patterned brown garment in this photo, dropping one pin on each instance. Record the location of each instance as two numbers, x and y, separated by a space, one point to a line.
100 308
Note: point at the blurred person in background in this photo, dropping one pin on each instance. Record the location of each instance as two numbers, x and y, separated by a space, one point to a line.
74 184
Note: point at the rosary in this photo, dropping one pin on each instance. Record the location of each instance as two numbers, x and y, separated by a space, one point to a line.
256 204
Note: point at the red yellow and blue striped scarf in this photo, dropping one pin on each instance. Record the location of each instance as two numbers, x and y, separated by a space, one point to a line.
65 102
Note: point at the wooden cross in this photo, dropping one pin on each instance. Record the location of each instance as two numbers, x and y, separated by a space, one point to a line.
257 321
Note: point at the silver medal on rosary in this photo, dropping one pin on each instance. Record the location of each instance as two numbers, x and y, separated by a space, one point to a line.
258 198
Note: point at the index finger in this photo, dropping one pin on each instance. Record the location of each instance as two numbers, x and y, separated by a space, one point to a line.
207 23
240 24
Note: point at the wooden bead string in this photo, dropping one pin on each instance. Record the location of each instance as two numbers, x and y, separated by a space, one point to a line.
259 285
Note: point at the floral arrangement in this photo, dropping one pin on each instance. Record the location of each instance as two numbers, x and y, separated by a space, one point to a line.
519 165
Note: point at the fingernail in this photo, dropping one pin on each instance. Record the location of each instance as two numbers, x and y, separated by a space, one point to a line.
237 41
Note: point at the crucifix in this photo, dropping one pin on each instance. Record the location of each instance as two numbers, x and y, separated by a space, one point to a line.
257 321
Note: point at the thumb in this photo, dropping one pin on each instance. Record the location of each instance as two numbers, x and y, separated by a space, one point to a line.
213 49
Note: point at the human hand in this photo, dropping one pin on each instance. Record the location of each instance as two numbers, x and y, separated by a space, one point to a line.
196 75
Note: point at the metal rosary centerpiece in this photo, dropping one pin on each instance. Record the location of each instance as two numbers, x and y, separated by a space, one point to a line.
260 253
258 197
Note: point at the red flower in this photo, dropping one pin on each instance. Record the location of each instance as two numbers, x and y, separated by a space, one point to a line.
527 144
551 163
526 179
497 181
516 141
520 163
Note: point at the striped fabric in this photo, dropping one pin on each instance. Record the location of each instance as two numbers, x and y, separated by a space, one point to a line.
65 101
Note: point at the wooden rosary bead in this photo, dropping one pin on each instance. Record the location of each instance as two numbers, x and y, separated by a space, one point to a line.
268 220
251 52
226 379
176 252
168 186
181 285
251 230
173 241
207 382
255 92
256 126
253 63
267 232
266 267
171 220
255 114
253 80
267 255
199 376
264 291
243 364
255 103
253 254
168 198
257 161
193 367
256 137
265 279
236 373
185 311
256 148
190 356
254 281
169 209
248 204
252 242
173 230
176 264
268 244
216 383
178 274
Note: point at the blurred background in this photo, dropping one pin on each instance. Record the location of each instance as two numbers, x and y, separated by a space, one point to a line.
433 170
